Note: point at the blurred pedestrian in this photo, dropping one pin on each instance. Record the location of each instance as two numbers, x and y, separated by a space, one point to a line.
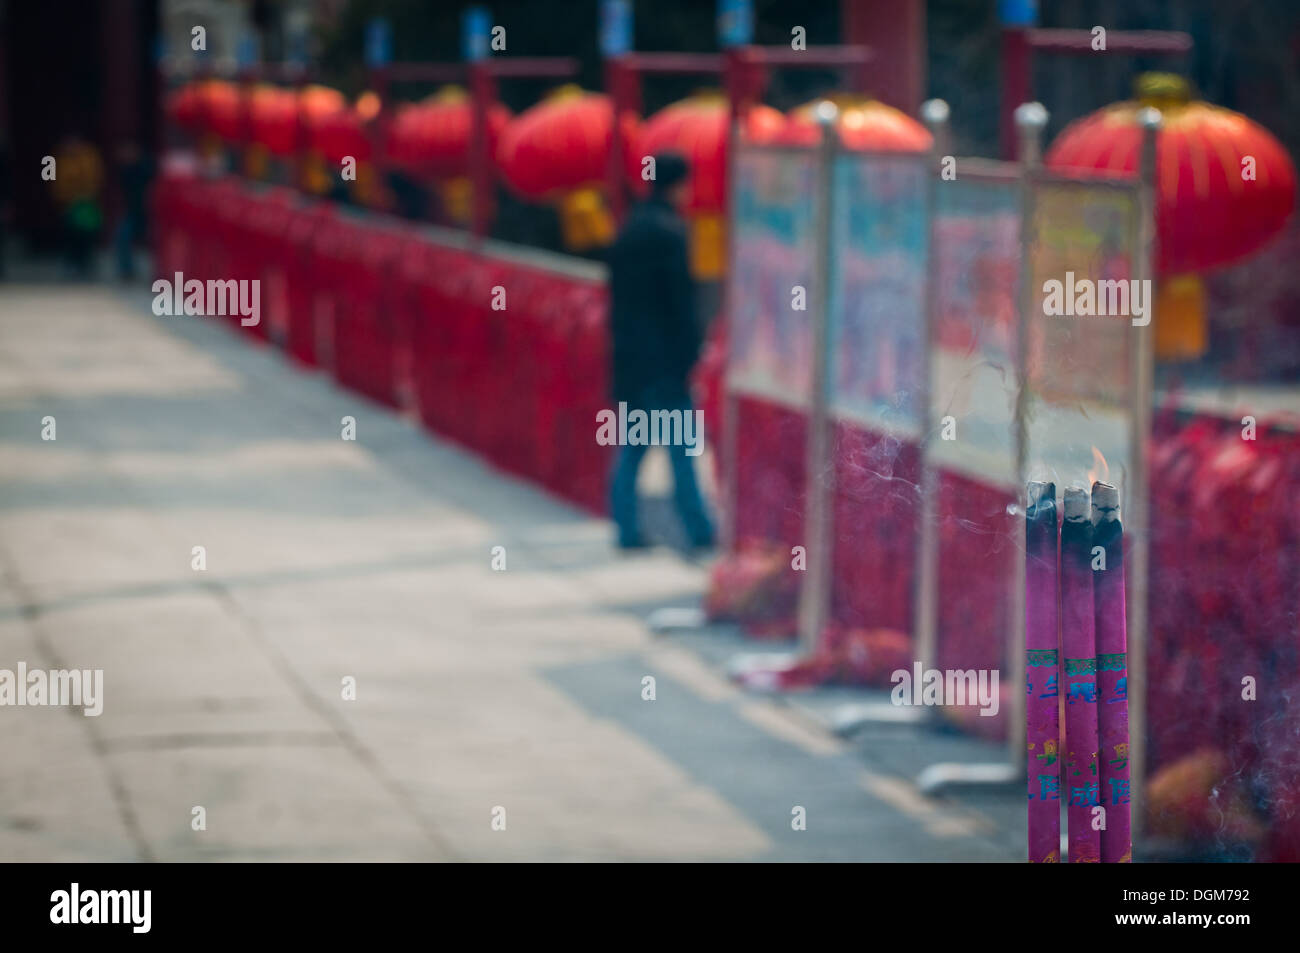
134 172
78 186
656 341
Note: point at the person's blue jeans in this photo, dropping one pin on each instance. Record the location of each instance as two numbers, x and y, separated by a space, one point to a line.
686 492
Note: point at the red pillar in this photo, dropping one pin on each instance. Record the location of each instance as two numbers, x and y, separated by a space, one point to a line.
483 90
624 86
1017 86
895 31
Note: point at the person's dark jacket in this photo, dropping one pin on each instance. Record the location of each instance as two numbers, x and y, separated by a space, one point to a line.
135 177
656 338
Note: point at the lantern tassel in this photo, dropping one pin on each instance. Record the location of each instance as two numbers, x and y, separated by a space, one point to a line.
1181 333
585 220
457 197
708 246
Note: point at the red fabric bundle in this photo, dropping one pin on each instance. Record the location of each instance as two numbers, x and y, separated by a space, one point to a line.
756 586
844 656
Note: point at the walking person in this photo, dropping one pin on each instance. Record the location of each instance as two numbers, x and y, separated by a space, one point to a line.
656 341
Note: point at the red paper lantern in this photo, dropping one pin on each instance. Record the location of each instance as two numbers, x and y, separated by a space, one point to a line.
1224 188
316 102
274 112
273 118
558 151
561 144
315 105
862 124
696 128
432 138
222 112
185 107
339 133
1208 211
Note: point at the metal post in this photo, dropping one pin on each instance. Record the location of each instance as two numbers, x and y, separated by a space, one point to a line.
1137 506
1030 118
926 591
814 595
730 470
734 81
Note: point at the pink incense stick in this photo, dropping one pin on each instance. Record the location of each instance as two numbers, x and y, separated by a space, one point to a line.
1042 675
1112 674
1079 776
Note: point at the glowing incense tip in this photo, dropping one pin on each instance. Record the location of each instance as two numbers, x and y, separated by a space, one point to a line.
1077 508
1105 503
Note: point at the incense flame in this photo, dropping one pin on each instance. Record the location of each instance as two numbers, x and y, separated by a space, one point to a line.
1100 469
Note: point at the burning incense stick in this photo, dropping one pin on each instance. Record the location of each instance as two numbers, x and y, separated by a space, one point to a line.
1112 674
1078 642
1042 675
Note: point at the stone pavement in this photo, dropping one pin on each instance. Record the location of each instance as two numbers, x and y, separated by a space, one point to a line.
369 560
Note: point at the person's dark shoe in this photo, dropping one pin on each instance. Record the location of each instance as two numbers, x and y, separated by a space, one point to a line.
703 543
700 552
632 545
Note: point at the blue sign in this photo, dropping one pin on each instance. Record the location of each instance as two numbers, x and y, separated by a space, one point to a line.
1018 12
475 25
615 27
735 22
296 46
379 42
247 49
